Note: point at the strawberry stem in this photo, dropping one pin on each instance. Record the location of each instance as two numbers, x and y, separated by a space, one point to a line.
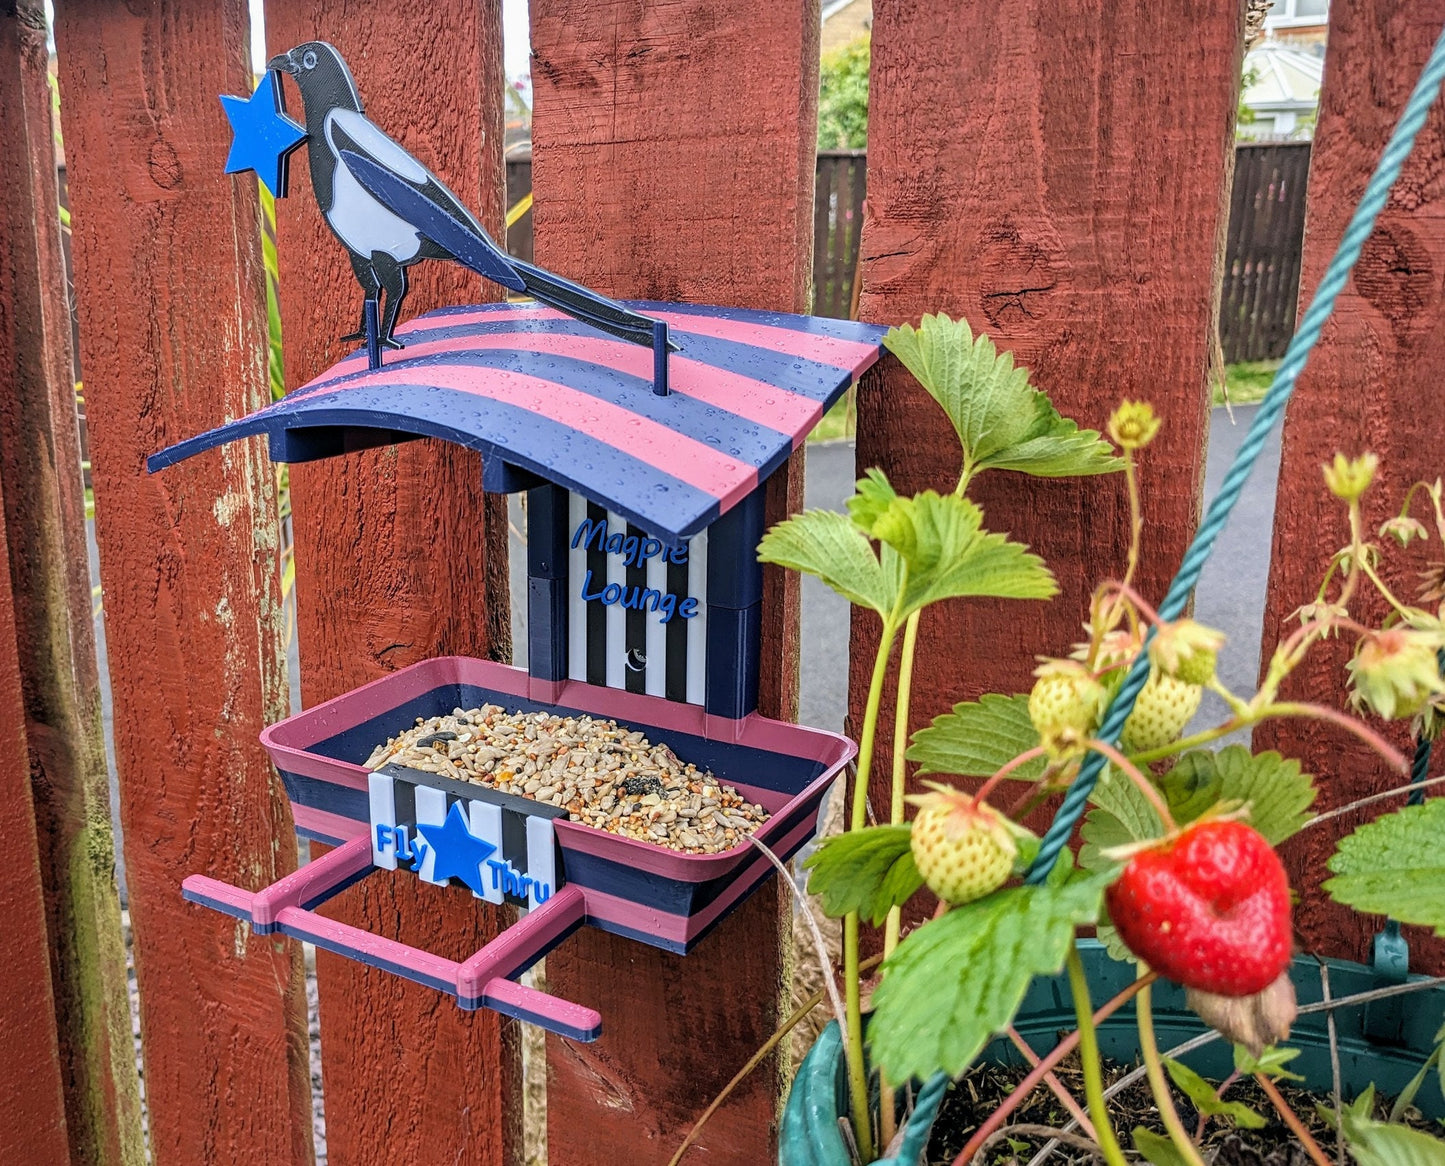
893 927
1345 721
1144 1007
1146 787
852 984
1006 769
1291 1119
1089 1056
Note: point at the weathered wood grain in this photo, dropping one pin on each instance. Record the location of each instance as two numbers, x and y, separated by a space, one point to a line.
401 557
48 572
1055 175
674 159
173 331
32 1094
1371 384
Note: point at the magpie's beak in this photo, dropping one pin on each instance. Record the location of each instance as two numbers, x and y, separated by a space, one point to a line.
283 63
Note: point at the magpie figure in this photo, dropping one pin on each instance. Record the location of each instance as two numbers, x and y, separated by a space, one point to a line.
391 212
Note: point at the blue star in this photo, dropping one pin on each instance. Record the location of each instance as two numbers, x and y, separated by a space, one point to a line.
459 853
262 135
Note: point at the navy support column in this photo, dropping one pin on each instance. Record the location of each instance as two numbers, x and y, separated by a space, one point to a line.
547 589
734 609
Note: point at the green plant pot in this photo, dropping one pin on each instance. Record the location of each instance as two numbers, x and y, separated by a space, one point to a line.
1383 1042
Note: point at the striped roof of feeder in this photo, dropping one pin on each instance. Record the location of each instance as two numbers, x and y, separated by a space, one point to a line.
537 392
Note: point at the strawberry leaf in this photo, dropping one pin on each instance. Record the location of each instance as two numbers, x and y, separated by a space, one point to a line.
1279 795
1120 815
1377 1143
956 981
830 547
1157 1149
935 547
1002 421
1206 1100
1395 866
1271 1062
978 738
868 871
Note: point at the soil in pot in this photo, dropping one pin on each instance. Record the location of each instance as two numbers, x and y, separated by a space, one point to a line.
975 1095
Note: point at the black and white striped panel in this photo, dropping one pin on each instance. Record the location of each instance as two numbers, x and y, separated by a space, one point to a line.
514 844
636 616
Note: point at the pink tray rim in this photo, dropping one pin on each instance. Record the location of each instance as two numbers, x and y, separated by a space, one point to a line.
288 743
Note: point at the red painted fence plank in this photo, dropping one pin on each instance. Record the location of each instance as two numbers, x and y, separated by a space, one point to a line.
1372 384
173 330
681 137
32 1096
401 557
49 573
1007 184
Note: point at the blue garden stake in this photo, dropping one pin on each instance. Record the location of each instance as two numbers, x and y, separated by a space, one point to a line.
1362 223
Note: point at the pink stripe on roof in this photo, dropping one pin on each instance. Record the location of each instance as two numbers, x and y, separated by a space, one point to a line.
788 413
356 362
685 458
851 355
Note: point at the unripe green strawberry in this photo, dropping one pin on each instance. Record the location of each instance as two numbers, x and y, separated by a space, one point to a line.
1164 707
962 849
1187 650
1065 706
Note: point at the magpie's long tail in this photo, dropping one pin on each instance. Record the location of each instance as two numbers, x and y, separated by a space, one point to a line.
453 230
583 304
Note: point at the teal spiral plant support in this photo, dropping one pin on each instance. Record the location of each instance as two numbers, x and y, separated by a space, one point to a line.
1271 409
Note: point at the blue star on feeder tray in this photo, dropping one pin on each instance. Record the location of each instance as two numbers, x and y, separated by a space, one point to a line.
262 135
458 852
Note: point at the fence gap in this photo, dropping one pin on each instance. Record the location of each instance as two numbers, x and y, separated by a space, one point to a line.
1372 384
47 576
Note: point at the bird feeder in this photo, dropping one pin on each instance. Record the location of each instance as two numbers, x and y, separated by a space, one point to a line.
644 435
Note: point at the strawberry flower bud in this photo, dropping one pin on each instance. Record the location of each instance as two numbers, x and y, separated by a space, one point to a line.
1187 650
1396 672
1133 424
1404 529
1349 478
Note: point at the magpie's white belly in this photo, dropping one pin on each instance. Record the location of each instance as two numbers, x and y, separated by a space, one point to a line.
364 225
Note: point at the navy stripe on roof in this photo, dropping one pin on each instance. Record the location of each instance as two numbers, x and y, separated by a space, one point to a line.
739 438
795 374
523 438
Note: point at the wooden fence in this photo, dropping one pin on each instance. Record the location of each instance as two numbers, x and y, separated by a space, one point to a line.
1262 251
1004 185
1260 278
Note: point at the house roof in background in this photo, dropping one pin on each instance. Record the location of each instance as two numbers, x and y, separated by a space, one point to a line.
1284 78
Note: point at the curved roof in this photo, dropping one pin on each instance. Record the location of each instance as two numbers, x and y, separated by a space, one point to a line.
537 392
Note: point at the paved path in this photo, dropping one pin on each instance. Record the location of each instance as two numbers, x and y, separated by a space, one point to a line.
1231 592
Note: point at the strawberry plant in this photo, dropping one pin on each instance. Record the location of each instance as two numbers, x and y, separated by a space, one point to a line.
1177 870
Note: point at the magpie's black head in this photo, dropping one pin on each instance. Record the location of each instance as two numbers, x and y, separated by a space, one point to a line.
321 75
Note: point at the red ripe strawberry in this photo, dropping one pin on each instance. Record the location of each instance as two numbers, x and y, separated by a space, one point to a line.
1208 908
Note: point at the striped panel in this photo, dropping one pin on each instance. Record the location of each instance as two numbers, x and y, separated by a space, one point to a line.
540 393
520 866
619 630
